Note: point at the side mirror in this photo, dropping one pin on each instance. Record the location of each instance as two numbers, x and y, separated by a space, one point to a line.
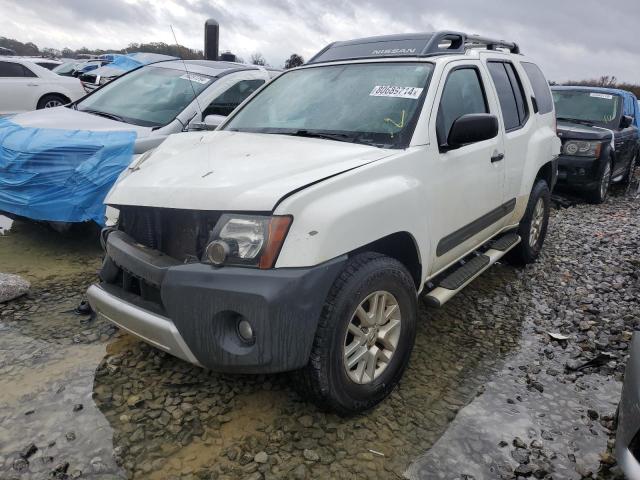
471 128
210 122
626 121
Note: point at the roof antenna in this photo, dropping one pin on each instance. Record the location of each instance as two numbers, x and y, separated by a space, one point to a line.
195 97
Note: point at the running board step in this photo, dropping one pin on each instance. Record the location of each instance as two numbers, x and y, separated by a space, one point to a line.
463 275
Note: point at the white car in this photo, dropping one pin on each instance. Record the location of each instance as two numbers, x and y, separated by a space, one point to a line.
25 86
301 232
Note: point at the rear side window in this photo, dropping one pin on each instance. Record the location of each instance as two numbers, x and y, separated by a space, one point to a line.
540 87
463 93
510 94
226 102
11 69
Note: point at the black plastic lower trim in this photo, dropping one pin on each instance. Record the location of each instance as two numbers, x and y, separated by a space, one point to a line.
460 236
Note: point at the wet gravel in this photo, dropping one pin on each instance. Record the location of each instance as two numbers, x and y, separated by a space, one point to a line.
517 377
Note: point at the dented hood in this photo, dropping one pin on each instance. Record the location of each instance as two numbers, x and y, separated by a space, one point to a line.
234 171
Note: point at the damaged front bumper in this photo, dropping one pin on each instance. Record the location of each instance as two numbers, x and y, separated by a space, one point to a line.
628 432
193 310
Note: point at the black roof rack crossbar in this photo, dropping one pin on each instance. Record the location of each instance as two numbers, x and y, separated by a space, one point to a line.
410 45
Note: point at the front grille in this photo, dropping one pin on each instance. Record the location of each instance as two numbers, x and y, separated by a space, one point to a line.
180 234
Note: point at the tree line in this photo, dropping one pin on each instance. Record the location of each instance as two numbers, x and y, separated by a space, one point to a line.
30 49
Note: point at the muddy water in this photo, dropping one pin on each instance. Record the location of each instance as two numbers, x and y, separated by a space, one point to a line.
97 403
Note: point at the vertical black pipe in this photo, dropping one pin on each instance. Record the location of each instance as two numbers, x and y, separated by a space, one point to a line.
211 38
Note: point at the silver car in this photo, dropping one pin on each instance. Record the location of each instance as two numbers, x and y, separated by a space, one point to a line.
156 101
628 433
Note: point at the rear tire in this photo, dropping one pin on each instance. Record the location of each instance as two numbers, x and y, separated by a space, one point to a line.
340 376
533 226
601 192
52 100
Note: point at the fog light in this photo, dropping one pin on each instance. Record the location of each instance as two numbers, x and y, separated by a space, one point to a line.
217 252
245 331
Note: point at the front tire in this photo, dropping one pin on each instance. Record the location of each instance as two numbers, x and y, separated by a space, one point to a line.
533 226
365 335
601 192
628 177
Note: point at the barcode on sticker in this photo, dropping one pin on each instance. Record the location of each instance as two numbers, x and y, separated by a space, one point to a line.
397 92
602 95
195 78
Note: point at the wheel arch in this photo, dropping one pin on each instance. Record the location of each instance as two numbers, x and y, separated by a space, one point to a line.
58 94
401 246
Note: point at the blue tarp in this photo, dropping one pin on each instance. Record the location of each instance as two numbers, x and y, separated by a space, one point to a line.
60 175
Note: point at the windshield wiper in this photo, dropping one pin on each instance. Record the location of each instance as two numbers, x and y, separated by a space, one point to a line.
576 120
341 137
105 114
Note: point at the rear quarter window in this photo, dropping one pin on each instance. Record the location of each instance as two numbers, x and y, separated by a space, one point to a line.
540 87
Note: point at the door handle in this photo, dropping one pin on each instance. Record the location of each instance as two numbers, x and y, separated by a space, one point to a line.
496 157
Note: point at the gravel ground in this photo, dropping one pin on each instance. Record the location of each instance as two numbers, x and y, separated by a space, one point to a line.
488 393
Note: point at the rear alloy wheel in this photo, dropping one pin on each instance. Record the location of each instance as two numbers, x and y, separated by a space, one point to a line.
601 192
533 226
52 101
364 337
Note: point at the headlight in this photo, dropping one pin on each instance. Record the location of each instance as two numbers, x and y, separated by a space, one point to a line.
582 149
249 240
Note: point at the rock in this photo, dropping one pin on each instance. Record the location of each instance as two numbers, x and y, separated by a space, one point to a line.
306 421
519 443
300 472
28 451
134 401
261 457
311 455
77 407
12 286
70 436
524 470
592 414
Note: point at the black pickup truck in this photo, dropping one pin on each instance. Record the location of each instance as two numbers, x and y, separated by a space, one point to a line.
599 132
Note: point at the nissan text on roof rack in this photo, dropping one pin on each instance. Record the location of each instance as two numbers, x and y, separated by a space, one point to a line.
299 234
60 163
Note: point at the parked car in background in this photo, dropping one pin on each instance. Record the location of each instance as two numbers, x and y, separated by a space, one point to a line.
70 156
47 63
599 132
628 419
299 234
25 86
119 65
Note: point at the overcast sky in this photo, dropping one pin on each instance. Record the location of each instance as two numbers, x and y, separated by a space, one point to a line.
571 39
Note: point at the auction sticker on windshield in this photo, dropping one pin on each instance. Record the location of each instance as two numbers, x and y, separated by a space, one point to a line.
602 95
195 78
397 92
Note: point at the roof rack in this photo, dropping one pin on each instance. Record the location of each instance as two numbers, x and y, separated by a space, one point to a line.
410 45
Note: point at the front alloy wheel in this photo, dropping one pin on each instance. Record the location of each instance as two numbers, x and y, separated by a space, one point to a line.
372 337
364 337
537 223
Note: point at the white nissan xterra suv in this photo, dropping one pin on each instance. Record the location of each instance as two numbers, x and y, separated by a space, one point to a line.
299 235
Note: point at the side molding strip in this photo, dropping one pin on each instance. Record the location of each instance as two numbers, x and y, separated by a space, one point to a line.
454 239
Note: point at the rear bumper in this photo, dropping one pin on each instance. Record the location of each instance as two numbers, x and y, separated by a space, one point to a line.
578 172
192 310
628 432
